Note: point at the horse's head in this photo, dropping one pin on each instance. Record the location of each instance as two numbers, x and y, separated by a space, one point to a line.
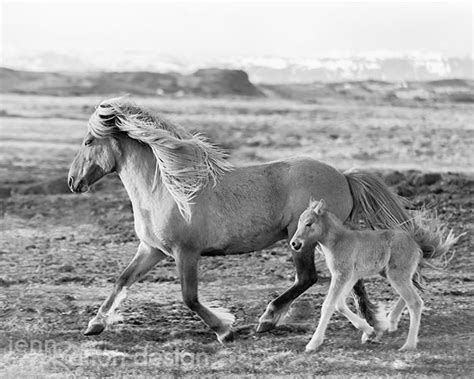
310 225
96 158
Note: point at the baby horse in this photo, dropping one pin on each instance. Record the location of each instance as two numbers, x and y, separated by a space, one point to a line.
355 254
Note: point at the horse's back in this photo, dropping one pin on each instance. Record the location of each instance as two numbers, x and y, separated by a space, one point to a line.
310 178
289 184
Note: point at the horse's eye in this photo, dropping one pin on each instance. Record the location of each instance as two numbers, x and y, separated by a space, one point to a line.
308 225
88 142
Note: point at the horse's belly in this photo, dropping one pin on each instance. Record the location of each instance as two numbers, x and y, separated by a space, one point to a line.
253 242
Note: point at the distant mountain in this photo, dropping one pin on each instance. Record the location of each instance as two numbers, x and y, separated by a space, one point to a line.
271 70
393 69
206 82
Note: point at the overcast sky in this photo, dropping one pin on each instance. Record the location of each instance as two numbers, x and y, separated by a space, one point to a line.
225 29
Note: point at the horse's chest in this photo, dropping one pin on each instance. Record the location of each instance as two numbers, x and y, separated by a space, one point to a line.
151 230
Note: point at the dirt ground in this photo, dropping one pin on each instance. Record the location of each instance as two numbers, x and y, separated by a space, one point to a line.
60 253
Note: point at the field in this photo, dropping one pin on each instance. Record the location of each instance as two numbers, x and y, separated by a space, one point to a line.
60 253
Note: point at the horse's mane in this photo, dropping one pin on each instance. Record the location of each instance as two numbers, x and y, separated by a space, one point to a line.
186 162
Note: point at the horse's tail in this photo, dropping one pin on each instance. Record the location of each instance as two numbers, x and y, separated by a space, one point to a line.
433 237
375 204
378 208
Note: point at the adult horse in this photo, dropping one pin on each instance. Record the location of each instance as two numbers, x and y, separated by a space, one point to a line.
187 201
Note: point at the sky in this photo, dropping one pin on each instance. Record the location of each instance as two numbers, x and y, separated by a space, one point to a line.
208 30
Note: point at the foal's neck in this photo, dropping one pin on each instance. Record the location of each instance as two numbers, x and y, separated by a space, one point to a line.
333 230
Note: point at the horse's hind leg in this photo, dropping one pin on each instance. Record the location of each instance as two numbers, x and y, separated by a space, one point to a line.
143 261
219 320
404 286
305 277
366 308
395 313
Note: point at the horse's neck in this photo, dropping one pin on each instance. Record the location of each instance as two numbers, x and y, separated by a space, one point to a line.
334 231
136 167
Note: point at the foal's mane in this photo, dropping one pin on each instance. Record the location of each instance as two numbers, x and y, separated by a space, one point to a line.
186 162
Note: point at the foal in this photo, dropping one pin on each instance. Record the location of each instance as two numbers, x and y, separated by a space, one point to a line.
352 255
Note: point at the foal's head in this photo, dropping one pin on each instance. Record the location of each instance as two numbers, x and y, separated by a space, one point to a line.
310 225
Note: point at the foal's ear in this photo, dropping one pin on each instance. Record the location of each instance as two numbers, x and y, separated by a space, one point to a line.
320 207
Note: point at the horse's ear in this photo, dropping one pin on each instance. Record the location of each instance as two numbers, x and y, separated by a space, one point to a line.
107 114
312 202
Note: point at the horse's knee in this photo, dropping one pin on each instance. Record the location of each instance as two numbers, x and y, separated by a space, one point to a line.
307 277
191 302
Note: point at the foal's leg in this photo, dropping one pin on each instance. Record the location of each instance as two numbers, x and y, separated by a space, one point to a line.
305 277
219 320
395 313
356 320
404 286
143 261
336 290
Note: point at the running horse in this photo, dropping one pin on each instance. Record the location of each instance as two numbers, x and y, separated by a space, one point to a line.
189 201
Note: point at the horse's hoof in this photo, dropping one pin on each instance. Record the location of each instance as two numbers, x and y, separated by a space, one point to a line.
373 338
226 337
265 326
94 329
367 336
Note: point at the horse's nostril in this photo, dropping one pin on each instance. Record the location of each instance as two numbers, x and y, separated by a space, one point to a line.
70 181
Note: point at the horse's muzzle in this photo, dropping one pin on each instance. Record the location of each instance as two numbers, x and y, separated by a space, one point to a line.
76 187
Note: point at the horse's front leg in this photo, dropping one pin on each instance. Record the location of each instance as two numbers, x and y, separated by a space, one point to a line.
143 261
305 277
218 319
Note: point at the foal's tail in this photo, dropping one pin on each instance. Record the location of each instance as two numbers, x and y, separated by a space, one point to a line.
378 208
433 237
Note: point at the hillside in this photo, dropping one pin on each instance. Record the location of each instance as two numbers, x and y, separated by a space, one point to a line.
206 82
450 90
213 82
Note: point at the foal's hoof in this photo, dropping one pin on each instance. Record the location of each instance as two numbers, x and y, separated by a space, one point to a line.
265 326
392 327
407 348
94 329
312 348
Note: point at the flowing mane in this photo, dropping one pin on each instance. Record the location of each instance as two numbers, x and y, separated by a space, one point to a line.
186 162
